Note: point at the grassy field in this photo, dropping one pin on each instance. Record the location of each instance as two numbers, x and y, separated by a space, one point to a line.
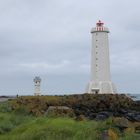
20 125
16 127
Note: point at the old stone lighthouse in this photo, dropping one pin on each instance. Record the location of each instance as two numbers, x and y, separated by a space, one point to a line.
100 81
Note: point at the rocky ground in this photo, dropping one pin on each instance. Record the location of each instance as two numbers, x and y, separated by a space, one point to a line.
91 106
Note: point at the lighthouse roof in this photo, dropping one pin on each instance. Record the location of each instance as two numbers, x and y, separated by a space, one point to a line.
37 79
99 24
99 27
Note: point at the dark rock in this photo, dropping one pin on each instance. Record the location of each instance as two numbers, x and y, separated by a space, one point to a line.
117 114
103 115
77 111
100 117
121 122
92 116
133 116
130 115
123 111
107 114
137 118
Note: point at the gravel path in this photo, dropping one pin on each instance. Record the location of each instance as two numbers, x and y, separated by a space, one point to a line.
3 99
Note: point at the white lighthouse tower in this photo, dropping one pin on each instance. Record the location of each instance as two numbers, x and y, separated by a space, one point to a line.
100 81
37 81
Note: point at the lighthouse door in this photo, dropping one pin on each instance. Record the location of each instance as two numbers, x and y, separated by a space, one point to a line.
95 91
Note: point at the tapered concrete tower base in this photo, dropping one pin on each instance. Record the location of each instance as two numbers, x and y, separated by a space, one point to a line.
100 80
101 87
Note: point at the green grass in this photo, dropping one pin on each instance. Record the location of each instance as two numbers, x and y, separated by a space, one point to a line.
9 121
50 129
20 125
30 128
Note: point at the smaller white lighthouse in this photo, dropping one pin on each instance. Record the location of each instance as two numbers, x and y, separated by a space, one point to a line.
37 81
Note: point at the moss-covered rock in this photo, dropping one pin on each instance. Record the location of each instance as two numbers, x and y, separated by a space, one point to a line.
59 111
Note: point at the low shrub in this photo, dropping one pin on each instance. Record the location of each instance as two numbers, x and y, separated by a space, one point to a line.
5 107
22 110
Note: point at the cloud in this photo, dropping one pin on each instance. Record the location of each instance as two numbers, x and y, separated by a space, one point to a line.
52 39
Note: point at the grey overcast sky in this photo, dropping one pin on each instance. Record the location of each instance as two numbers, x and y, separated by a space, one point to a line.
51 39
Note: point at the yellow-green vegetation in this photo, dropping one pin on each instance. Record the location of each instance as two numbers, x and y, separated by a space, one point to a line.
21 125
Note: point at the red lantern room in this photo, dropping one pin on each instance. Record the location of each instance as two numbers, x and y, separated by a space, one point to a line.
99 26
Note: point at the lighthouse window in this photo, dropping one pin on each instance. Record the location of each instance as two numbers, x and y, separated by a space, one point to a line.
96 33
96 58
96 46
96 65
96 40
96 52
